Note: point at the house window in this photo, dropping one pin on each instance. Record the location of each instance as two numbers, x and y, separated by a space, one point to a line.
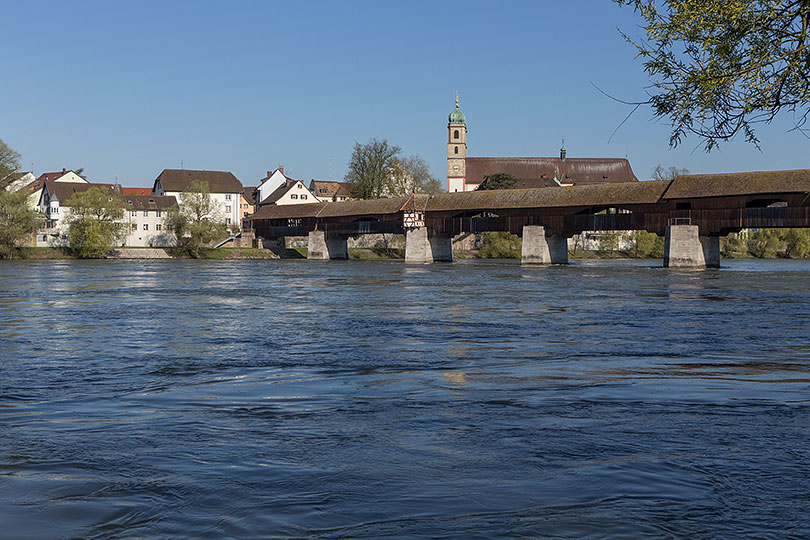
303 196
157 213
455 134
133 213
55 210
146 213
157 227
180 196
227 208
227 221
146 226
323 191
245 214
293 196
134 226
227 197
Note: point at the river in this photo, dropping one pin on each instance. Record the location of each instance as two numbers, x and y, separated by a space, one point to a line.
354 399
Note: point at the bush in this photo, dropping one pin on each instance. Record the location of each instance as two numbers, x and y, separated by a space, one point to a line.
500 245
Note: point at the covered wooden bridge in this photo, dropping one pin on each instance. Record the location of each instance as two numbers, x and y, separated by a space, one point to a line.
692 212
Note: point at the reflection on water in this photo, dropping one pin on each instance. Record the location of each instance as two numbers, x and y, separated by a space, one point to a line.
154 399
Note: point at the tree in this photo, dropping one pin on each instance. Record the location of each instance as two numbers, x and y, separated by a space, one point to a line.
95 223
660 173
9 160
797 243
197 220
765 243
646 244
17 221
370 168
497 181
718 67
411 175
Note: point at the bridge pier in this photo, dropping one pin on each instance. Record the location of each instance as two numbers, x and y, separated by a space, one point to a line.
326 248
684 248
541 249
421 248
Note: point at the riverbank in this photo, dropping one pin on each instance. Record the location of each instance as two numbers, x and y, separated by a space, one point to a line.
42 253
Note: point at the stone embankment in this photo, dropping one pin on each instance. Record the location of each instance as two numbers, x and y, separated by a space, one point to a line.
139 253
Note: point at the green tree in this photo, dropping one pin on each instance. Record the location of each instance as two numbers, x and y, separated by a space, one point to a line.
497 181
9 160
797 243
17 221
765 243
646 245
670 173
370 168
734 245
718 67
197 220
608 243
95 223
500 245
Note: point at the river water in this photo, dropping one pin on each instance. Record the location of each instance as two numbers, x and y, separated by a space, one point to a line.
302 399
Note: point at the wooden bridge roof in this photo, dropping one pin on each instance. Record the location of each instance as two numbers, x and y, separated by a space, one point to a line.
574 196
369 207
694 186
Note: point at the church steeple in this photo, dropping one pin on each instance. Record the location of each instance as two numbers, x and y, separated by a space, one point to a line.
456 150
562 151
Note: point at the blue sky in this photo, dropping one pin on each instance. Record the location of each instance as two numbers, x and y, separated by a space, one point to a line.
128 89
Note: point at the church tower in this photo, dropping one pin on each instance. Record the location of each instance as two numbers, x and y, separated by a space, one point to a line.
456 150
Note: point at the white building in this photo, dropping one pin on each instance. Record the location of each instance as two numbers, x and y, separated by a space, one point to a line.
52 203
293 192
144 220
270 183
226 190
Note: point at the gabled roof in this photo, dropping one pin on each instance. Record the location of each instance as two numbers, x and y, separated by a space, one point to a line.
137 190
282 190
578 171
329 189
150 202
218 181
64 190
574 196
249 193
746 183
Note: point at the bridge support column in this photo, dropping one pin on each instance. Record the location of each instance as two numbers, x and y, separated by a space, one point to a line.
541 249
323 248
684 248
421 248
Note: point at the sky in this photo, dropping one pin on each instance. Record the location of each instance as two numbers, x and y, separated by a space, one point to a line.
127 89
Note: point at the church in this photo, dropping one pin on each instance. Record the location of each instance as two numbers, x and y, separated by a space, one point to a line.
466 173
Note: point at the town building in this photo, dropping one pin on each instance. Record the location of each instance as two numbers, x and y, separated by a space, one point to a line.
270 183
19 180
467 173
247 203
293 192
53 203
224 187
328 191
145 226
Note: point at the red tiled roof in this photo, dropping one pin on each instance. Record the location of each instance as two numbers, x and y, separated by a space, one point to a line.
137 191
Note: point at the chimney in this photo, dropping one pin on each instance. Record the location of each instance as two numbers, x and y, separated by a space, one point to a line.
64 170
281 169
269 174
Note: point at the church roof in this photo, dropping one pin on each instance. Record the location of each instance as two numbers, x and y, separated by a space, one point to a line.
457 117
535 171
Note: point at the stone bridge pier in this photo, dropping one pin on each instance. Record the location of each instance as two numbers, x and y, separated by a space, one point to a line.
541 249
323 247
419 247
685 248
